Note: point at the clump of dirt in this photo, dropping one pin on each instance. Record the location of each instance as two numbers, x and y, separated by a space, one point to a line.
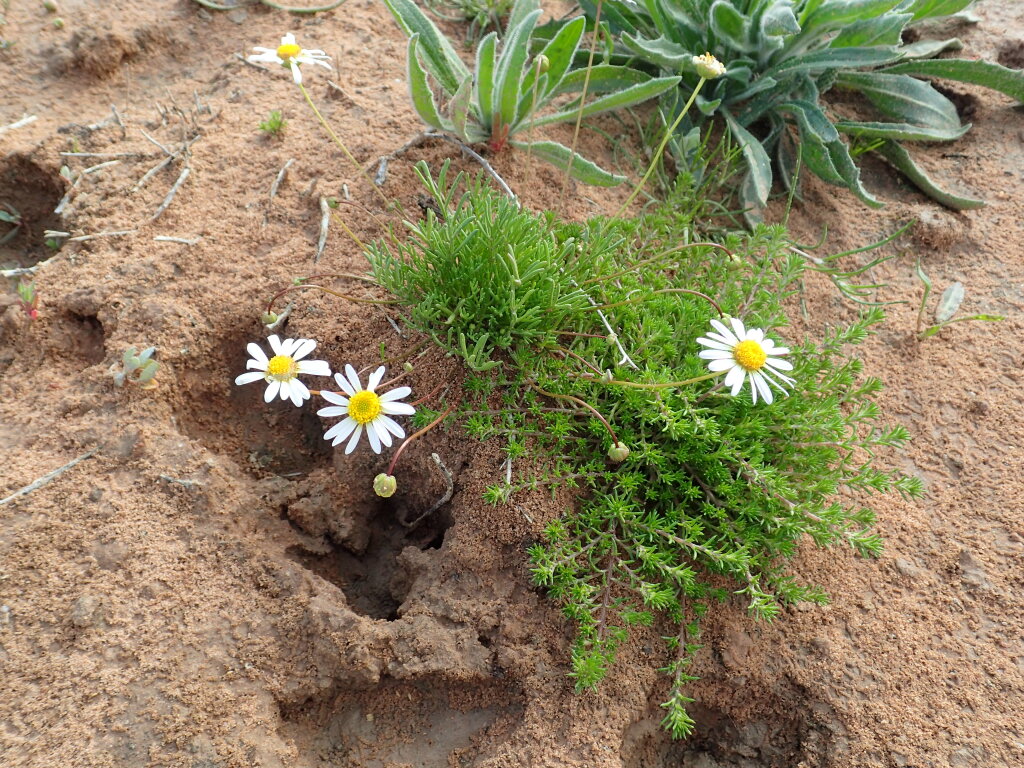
212 585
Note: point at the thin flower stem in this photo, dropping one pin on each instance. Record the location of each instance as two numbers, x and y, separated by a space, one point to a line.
654 259
588 406
430 426
583 360
339 142
661 148
349 232
666 385
356 299
583 99
655 293
427 396
584 335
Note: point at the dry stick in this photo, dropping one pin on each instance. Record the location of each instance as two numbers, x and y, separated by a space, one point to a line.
170 195
52 233
325 220
47 478
119 121
282 317
583 99
182 240
67 196
483 163
280 178
18 124
100 166
154 141
106 154
445 498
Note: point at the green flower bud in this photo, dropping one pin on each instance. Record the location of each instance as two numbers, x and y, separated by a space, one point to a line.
385 485
542 63
407 366
268 318
618 453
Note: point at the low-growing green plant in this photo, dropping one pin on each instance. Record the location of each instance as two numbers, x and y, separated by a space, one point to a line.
690 492
784 55
136 368
275 123
498 102
482 15
9 215
946 309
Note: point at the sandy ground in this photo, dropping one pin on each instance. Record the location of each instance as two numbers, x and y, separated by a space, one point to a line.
212 587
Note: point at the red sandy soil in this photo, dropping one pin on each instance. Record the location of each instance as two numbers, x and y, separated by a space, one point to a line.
214 587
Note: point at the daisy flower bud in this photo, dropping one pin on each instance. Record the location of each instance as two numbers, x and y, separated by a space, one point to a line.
268 318
542 63
618 453
708 66
385 485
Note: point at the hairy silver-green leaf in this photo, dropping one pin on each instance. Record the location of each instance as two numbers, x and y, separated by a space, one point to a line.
949 302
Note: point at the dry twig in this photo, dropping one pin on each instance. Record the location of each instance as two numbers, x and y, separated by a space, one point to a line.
46 479
170 195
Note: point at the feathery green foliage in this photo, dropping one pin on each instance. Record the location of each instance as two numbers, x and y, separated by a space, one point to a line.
784 55
716 494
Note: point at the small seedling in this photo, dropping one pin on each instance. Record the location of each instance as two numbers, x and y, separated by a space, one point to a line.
275 123
945 311
28 298
138 368
9 215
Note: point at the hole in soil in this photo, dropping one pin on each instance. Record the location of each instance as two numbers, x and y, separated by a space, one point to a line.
28 193
266 439
428 724
85 337
966 103
1011 54
773 730
374 582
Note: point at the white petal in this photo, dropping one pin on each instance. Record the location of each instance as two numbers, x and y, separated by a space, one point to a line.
270 57
755 334
355 439
300 392
257 365
331 397
374 380
717 337
275 344
722 365
784 365
288 347
272 389
340 431
715 354
777 350
288 39
392 426
738 328
382 431
324 62
715 344
397 409
353 378
256 353
286 389
396 394
314 367
249 378
296 71
343 383
726 334
331 411
734 379
371 435
762 387
303 348
261 49
775 383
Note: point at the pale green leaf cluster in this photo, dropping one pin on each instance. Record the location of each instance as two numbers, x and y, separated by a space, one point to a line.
499 100
784 55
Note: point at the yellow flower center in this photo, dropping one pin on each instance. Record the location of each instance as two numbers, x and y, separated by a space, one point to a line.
282 368
364 407
288 51
750 355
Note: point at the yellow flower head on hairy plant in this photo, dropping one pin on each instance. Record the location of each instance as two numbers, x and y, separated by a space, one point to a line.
708 66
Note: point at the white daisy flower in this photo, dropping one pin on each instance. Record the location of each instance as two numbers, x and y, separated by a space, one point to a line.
365 408
282 370
746 353
290 54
